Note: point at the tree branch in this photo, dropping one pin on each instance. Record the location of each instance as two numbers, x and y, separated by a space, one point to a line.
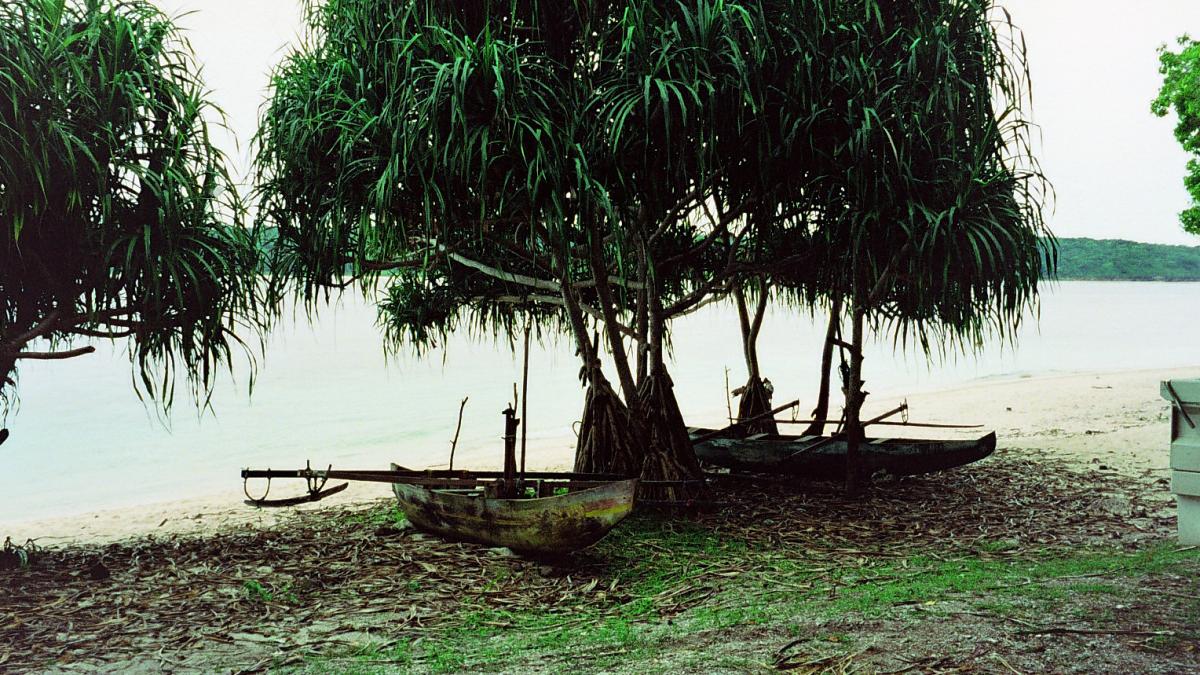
720 227
496 273
533 282
674 214
54 356
687 302
881 284
88 332
46 325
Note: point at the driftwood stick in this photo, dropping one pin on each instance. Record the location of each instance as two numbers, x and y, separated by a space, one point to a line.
454 443
728 401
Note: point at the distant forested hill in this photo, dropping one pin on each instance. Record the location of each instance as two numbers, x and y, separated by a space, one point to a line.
1117 259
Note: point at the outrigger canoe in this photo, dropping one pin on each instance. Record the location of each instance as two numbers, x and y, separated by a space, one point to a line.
826 460
553 524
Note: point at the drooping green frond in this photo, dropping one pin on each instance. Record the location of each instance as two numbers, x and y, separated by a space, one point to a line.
698 142
117 214
931 201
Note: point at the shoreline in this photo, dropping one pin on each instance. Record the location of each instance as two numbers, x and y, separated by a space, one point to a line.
1113 420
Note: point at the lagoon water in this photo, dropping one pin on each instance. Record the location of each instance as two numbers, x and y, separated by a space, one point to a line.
82 441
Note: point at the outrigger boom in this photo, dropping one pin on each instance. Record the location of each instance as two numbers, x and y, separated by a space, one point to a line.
436 478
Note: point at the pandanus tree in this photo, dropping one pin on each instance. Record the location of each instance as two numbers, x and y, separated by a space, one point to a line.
926 200
582 164
605 167
938 234
118 218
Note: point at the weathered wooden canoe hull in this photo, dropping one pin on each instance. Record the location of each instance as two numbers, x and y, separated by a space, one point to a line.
547 525
898 457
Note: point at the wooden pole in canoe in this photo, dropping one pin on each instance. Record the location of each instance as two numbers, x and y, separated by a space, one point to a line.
510 452
525 401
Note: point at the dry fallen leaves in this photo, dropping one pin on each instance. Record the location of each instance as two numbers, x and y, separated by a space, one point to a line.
319 580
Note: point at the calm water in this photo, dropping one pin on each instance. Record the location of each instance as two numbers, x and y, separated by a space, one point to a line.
82 441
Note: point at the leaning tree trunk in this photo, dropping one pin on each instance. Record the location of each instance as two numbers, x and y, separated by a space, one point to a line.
609 441
8 369
855 396
8 382
820 414
755 396
608 438
669 453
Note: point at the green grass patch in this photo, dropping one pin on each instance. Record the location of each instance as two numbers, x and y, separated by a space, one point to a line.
650 564
378 517
257 591
875 591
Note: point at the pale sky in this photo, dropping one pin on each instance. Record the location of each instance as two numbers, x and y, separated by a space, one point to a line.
1116 169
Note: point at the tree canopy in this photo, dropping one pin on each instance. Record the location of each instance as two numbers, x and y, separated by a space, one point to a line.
118 217
577 158
1180 94
619 163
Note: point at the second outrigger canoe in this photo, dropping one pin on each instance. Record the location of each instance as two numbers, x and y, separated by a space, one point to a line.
827 458
546 525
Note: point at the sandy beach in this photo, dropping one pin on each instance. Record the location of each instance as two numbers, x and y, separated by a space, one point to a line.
1112 419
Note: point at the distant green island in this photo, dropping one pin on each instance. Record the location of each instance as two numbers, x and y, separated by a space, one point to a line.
1121 260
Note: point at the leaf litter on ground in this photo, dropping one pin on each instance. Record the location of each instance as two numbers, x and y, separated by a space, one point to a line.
250 595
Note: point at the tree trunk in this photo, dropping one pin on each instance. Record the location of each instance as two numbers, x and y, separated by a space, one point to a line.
608 438
642 318
8 383
755 396
820 414
609 311
669 453
755 400
855 396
